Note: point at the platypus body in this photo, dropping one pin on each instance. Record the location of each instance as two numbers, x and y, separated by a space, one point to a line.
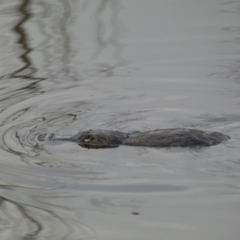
175 137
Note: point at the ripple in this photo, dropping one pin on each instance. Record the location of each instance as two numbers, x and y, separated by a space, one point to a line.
38 165
22 139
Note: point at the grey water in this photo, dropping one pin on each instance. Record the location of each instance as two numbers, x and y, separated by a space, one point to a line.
73 65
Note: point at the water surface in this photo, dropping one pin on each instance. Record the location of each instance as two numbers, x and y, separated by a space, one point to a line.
67 66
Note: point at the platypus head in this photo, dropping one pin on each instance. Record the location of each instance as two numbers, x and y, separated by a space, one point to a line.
99 139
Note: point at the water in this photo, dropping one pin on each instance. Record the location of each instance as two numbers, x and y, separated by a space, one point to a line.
67 66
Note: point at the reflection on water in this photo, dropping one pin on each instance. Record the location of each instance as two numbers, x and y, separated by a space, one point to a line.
101 49
24 221
16 222
27 70
67 66
233 64
117 31
57 48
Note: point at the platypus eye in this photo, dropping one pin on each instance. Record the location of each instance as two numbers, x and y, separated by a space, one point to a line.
87 138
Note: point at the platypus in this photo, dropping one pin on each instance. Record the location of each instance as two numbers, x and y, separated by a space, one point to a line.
160 138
